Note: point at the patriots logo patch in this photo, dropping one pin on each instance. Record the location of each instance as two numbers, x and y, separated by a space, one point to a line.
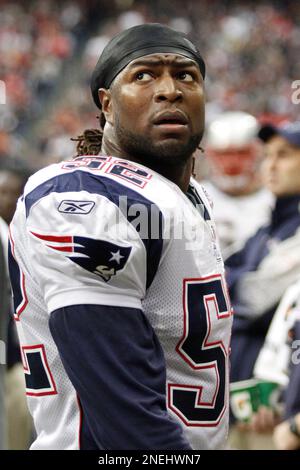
99 257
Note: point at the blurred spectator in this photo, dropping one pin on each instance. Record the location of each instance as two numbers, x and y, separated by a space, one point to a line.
240 204
19 426
259 274
287 434
35 40
15 420
4 308
12 181
4 145
278 362
57 144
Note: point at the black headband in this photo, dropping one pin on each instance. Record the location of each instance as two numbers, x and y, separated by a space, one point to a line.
136 42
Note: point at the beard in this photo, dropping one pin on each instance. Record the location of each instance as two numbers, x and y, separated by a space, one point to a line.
171 153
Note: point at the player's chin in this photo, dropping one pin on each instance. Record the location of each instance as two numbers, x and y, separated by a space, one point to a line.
174 151
170 143
175 147
173 140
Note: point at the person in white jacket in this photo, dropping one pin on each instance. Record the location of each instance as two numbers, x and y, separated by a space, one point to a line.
240 204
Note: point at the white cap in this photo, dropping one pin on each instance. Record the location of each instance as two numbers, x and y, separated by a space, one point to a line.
232 129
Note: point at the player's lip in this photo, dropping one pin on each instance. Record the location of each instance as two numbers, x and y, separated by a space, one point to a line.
175 118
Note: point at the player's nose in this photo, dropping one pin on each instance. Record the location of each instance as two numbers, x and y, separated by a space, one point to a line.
167 89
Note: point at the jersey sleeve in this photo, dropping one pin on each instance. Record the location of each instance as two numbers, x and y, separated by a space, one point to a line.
85 249
116 364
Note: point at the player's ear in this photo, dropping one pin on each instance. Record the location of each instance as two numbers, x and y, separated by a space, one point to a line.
106 102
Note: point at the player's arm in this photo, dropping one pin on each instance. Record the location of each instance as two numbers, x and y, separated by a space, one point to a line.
259 291
237 264
115 362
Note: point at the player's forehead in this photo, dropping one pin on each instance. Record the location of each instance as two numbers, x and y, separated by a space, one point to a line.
159 59
154 60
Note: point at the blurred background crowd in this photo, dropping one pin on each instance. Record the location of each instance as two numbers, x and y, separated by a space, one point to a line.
48 50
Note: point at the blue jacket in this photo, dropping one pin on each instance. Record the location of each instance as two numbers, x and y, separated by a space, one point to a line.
249 328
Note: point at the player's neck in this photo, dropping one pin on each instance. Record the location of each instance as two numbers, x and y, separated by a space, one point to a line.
178 175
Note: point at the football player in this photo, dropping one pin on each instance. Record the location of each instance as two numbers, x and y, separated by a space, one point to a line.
120 300
240 204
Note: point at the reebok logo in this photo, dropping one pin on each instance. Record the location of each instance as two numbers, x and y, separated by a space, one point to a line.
76 207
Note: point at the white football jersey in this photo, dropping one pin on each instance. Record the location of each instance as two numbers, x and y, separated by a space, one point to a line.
238 217
77 238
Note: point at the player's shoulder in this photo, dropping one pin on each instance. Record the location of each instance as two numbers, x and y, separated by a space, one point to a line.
40 177
203 193
106 176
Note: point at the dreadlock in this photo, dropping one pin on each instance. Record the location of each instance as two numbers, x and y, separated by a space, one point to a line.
90 142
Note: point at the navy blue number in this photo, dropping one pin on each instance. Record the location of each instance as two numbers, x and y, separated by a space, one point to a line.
38 378
130 173
192 403
94 163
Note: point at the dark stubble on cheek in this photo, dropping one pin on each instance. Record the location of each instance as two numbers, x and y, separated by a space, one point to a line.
145 151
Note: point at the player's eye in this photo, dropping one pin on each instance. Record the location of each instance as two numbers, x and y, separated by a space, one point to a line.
143 76
185 76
